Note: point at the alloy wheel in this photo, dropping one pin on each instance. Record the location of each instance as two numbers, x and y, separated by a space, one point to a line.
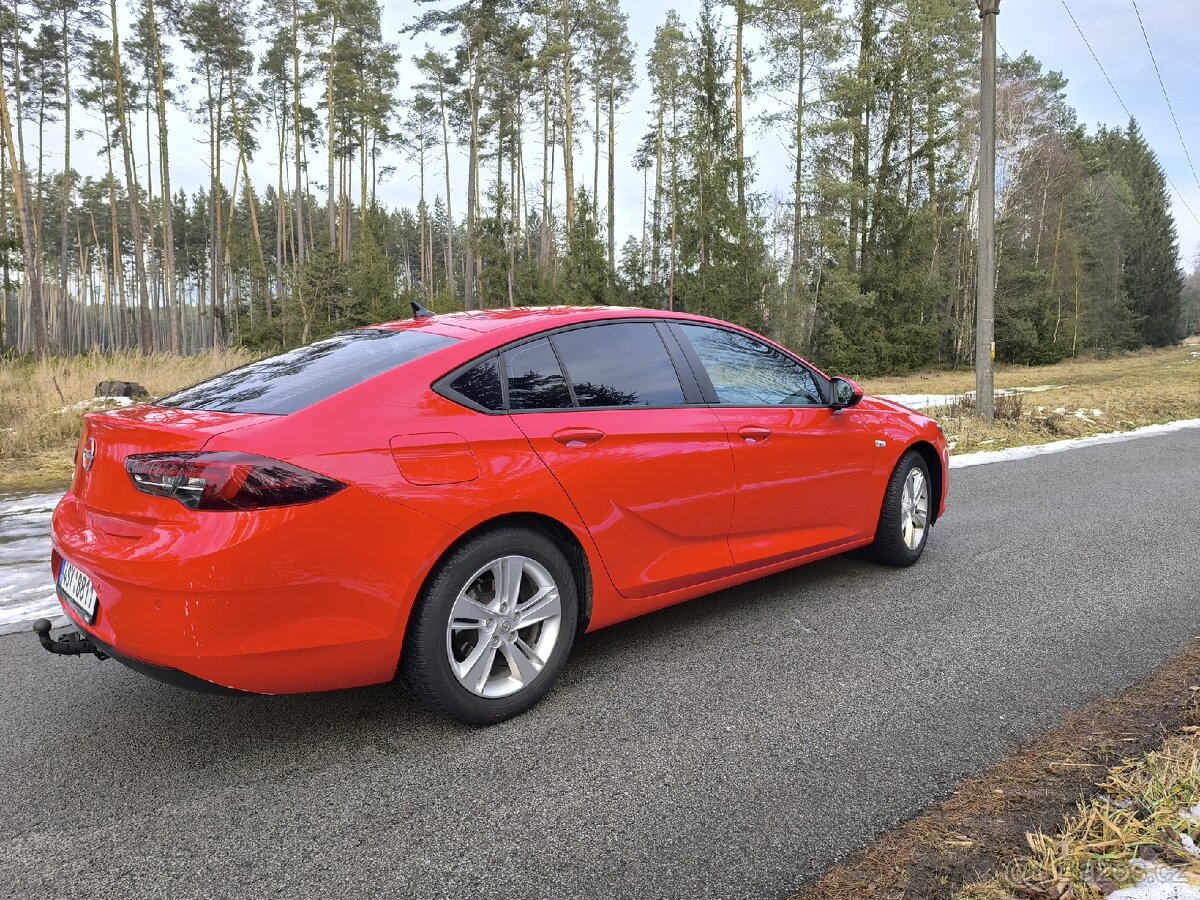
914 508
503 626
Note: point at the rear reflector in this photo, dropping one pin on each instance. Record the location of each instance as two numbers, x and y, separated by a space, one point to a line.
226 480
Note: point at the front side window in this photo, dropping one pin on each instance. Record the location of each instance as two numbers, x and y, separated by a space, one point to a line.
622 364
747 372
535 380
291 381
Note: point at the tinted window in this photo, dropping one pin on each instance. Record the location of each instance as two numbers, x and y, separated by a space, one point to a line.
535 380
481 384
622 364
296 379
746 372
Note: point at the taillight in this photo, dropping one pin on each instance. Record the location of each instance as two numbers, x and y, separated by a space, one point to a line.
226 480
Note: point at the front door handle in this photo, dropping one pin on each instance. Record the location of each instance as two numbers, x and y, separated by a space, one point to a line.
754 434
578 437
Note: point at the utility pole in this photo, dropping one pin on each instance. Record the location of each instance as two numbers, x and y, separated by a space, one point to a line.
985 340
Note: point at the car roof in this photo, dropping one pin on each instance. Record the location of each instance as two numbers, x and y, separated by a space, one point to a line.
522 320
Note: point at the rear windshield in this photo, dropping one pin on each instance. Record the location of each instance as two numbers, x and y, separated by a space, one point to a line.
291 381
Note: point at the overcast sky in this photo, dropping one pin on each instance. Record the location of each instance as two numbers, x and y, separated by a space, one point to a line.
1042 27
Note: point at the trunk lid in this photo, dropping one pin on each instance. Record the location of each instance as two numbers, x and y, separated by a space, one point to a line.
101 481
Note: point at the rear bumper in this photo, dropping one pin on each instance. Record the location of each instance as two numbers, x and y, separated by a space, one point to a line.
165 674
298 599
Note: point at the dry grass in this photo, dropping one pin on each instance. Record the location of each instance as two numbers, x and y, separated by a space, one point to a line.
978 837
38 430
1139 814
37 440
1086 397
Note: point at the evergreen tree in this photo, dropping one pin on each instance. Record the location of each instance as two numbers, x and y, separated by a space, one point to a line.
1152 279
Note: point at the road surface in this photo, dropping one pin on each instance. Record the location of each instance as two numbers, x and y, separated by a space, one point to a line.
731 747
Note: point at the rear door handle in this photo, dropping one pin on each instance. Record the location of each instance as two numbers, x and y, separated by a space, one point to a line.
754 434
578 437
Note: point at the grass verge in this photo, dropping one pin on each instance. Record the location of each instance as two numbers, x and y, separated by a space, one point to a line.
1060 819
38 426
38 429
1141 828
1082 397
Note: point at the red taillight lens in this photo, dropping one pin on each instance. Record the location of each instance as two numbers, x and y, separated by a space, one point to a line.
227 481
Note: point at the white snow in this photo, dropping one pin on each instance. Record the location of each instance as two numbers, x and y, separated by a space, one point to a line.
983 457
923 401
937 401
1158 882
1189 845
1192 814
98 403
26 585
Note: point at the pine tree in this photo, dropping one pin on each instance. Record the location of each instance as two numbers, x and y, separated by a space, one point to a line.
1152 277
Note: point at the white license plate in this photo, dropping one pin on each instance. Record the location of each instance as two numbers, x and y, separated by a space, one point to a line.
77 589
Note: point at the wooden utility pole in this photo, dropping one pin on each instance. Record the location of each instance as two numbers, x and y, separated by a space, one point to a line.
985 343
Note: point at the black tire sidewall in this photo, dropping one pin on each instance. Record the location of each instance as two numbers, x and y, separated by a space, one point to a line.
889 546
424 664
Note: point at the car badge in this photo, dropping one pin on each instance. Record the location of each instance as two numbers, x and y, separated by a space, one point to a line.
89 454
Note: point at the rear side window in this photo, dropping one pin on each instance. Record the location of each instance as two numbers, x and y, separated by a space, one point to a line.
291 381
746 372
481 385
535 379
623 364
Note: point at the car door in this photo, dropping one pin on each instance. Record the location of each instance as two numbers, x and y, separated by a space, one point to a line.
802 468
647 465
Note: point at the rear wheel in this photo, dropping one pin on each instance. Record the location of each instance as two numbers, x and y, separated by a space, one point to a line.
493 627
905 518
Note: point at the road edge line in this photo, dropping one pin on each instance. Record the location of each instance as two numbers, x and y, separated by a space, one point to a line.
1027 451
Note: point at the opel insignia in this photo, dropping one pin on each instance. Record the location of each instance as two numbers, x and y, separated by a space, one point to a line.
455 499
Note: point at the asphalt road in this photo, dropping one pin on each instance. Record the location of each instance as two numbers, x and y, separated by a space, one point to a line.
731 747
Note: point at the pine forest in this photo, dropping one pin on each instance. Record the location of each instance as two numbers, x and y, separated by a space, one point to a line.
518 123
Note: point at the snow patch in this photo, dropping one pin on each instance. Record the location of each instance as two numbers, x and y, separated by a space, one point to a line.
1189 845
97 403
1192 814
1112 437
1158 882
939 401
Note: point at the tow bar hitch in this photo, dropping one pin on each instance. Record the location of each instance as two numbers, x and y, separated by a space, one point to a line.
72 643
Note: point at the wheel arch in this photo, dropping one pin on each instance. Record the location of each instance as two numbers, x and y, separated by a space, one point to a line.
563 537
933 462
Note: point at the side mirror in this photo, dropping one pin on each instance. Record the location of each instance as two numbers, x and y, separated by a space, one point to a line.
845 393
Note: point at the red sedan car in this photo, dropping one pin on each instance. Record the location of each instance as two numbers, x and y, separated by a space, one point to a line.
456 498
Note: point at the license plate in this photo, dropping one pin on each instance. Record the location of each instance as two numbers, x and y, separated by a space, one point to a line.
77 589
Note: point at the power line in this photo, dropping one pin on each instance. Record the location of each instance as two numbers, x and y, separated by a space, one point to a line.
1103 71
1125 107
1170 107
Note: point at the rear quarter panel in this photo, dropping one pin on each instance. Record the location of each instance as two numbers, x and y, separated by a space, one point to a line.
465 468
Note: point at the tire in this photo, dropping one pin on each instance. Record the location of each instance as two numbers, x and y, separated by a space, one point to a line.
895 544
525 643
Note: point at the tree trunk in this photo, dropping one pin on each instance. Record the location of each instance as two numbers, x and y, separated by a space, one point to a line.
739 90
174 312
146 326
298 187
612 177
469 299
450 286
33 272
568 116
544 244
331 212
68 182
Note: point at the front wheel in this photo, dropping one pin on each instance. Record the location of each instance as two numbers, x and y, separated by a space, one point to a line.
493 627
905 518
